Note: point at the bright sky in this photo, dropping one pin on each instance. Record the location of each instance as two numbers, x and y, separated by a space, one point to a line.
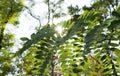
28 24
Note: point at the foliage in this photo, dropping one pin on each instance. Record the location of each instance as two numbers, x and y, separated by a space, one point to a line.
9 12
89 46
73 10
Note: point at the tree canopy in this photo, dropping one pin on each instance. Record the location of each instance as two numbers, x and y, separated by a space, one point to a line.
89 44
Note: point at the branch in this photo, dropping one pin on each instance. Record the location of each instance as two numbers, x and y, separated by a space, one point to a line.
95 59
37 18
48 12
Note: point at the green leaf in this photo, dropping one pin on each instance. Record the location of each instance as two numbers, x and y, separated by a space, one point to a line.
87 15
44 32
109 20
77 70
24 39
103 57
114 44
116 14
117 52
114 24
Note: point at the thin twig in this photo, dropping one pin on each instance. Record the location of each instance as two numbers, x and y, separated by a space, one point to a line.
95 59
48 12
37 18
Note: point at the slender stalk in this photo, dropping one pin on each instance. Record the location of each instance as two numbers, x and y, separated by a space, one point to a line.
52 66
1 36
37 18
48 12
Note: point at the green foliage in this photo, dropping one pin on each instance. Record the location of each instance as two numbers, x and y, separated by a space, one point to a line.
45 32
90 46
6 55
86 35
73 10
5 62
83 20
104 36
9 11
43 42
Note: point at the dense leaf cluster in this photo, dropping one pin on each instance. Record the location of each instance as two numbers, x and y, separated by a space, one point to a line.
89 47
